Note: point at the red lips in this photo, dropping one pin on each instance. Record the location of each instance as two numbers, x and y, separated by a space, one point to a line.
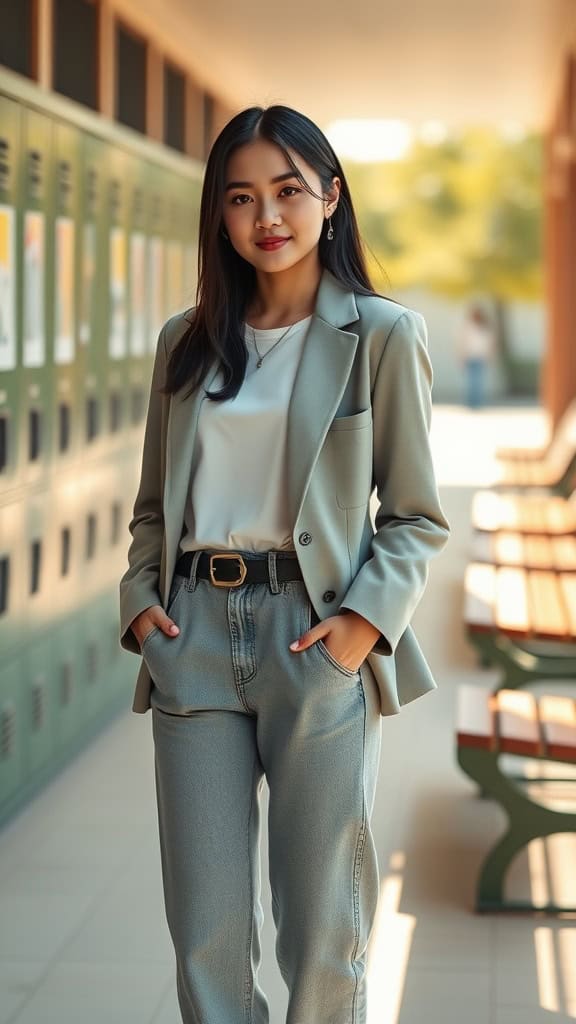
272 242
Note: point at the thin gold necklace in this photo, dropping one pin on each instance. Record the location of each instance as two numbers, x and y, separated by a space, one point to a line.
281 338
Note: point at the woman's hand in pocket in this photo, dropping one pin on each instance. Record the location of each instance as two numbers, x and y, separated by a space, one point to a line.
153 616
352 637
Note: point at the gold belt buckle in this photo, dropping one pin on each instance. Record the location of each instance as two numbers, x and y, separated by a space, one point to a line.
228 583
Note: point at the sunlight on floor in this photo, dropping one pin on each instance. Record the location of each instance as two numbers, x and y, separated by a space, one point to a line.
389 950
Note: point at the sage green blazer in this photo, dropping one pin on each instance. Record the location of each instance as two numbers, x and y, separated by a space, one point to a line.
358 420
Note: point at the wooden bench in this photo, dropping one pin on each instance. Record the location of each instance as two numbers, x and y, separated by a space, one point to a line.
524 513
523 620
515 722
530 551
554 469
565 429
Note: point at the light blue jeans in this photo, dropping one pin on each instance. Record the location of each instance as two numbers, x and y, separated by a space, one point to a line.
231 702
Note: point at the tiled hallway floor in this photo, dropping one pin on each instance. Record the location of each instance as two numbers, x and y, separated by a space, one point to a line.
83 938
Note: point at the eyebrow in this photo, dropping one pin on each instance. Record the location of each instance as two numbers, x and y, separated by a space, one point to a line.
249 184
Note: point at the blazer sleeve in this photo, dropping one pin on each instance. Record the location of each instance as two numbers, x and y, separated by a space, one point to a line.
410 525
139 584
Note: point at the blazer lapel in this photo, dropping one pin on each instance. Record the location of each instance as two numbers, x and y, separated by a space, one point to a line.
319 384
320 381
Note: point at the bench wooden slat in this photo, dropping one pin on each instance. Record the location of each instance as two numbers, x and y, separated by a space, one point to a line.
548 618
538 552
517 723
558 722
561 515
508 548
512 613
524 513
517 454
480 590
531 515
475 720
526 474
563 552
567 582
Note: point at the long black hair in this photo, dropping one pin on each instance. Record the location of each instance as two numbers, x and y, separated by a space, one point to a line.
226 281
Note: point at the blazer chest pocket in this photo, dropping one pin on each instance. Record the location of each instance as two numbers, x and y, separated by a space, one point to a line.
349 451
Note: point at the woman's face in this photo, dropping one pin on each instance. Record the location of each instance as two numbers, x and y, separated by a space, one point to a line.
257 207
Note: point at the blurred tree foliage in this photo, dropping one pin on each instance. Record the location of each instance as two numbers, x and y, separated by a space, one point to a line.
456 217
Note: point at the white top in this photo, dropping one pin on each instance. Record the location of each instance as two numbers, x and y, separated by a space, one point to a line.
237 497
476 340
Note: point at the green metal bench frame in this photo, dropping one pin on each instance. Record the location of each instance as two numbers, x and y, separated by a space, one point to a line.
527 820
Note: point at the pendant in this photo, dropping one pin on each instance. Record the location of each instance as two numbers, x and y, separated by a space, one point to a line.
258 364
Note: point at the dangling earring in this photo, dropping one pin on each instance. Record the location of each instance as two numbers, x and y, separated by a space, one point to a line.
224 235
330 234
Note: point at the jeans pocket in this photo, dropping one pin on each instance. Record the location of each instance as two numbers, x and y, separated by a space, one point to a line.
313 620
147 637
349 672
178 586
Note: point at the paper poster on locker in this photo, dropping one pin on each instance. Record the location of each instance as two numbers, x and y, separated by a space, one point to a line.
175 278
7 290
64 291
138 289
117 329
88 271
156 291
33 286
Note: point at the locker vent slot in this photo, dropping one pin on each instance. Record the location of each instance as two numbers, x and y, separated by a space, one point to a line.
91 418
116 522
35 565
7 731
4 582
4 165
138 405
66 683
64 183
63 426
38 695
65 551
34 425
115 411
35 180
3 442
90 535
91 661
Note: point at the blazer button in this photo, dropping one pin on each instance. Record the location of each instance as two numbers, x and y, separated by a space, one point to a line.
305 537
328 595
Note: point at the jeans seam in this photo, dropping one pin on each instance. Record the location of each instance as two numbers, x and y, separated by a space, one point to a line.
248 984
358 862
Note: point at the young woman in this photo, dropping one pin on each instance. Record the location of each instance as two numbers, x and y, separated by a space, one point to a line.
273 619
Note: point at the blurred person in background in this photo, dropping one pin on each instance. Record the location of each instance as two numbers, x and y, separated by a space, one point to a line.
476 344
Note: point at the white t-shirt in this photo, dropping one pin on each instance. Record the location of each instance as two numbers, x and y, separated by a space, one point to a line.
237 497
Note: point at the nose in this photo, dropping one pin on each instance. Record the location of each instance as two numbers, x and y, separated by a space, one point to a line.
268 215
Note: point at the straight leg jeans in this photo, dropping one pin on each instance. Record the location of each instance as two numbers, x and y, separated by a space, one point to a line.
230 703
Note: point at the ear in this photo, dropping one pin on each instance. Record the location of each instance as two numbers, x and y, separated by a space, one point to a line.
332 196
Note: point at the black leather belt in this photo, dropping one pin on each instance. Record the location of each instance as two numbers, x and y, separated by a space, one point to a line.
230 569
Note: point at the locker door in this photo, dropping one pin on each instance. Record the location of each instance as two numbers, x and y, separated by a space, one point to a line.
66 409
118 195
138 352
37 270
93 307
10 132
